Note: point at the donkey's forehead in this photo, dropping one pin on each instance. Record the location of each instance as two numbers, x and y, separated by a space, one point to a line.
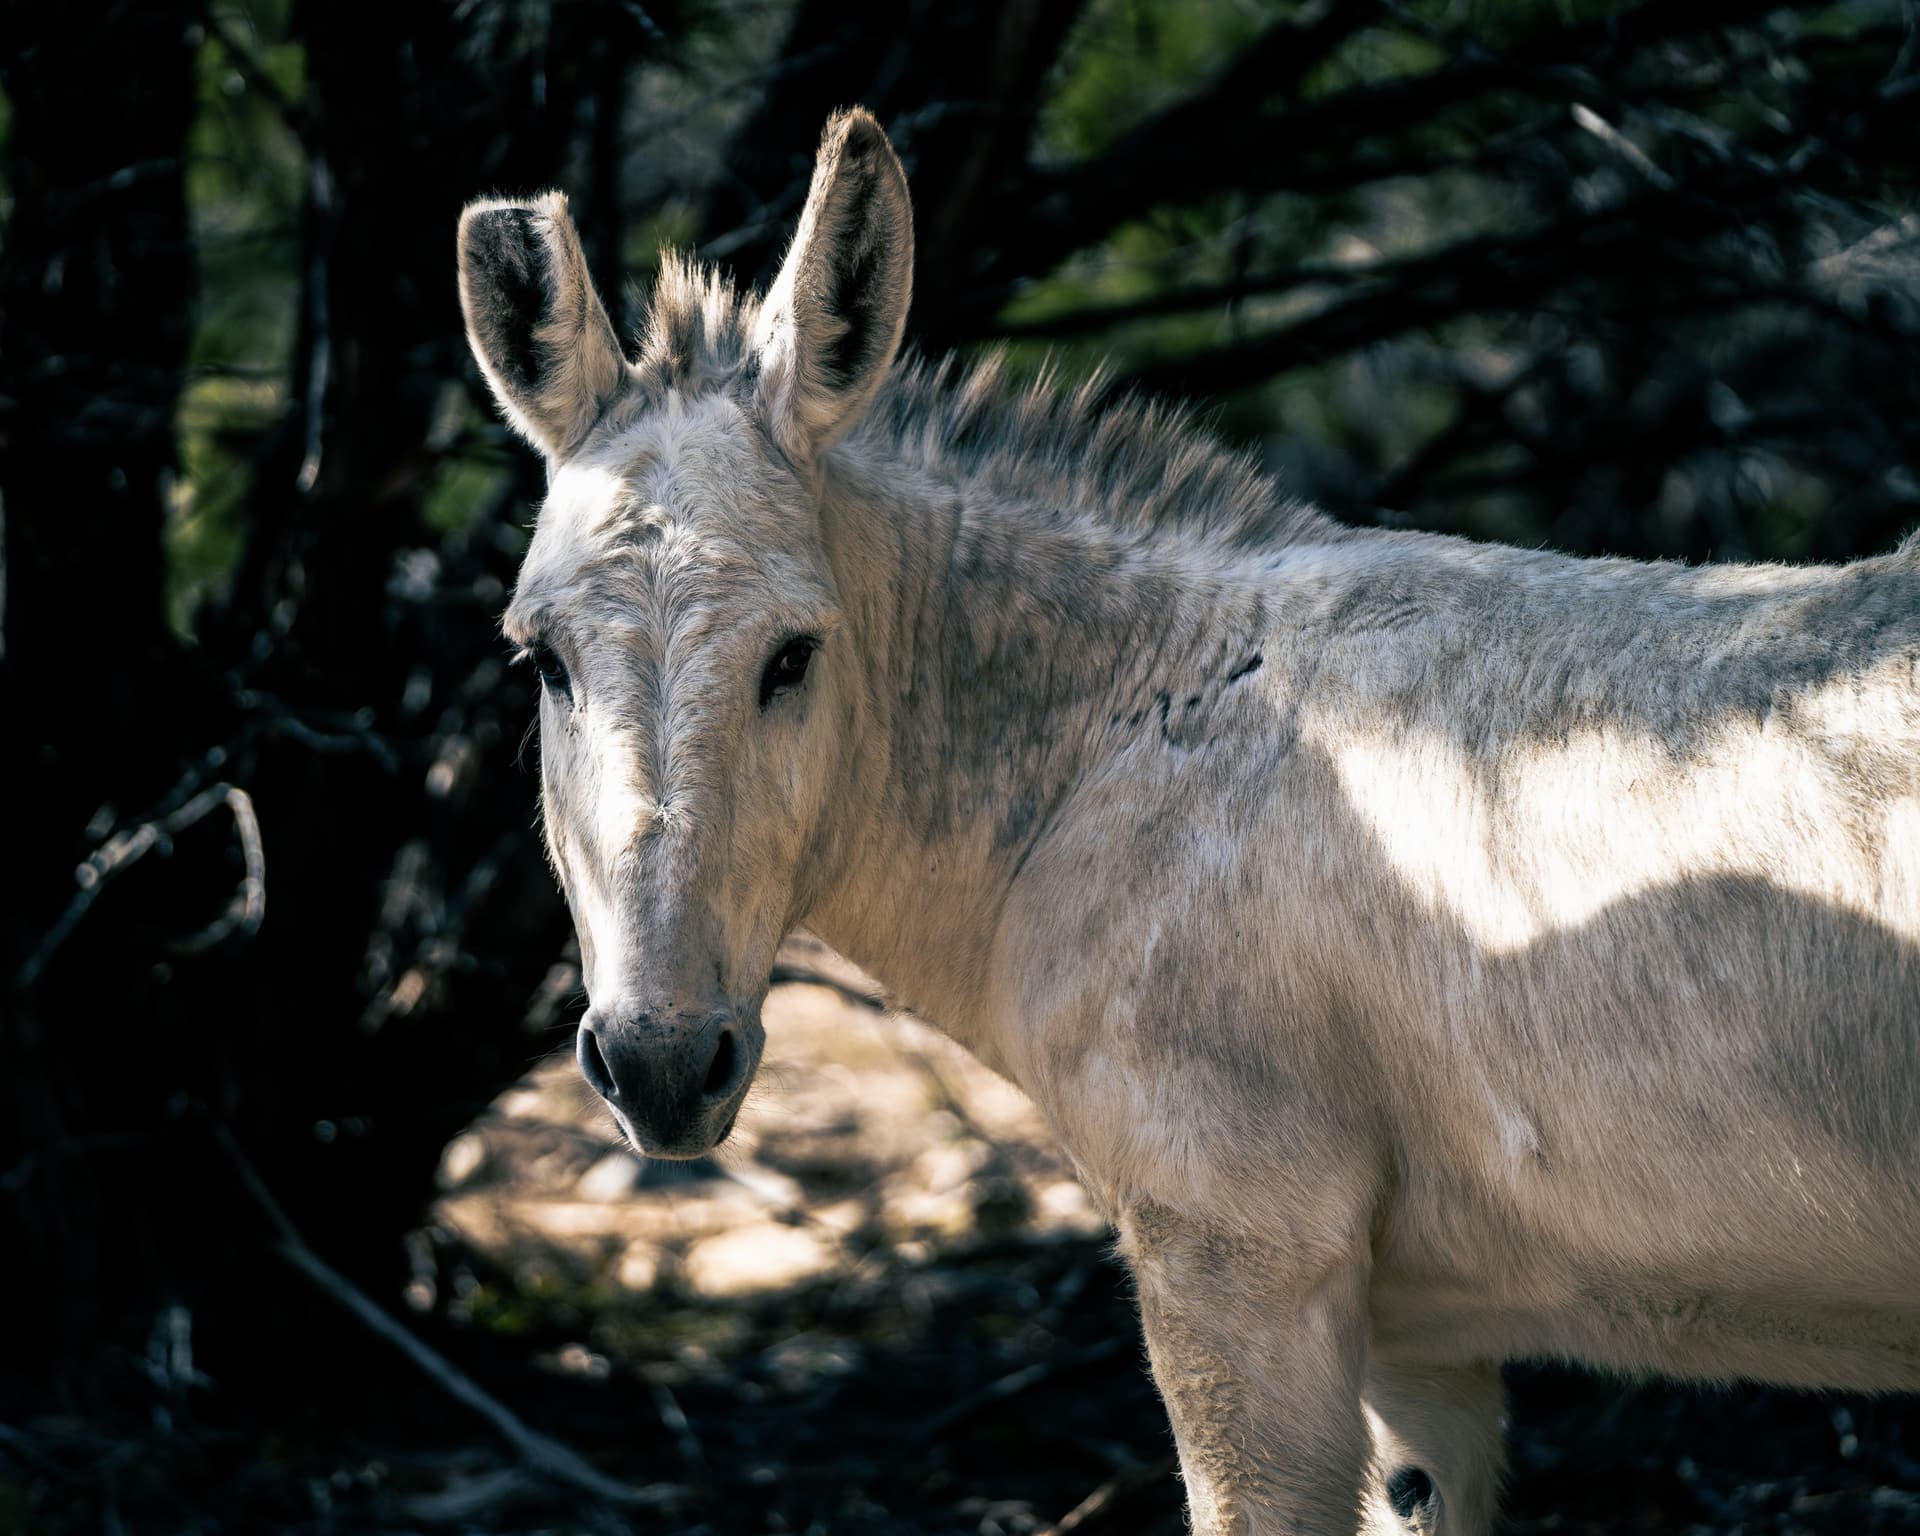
696 464
688 489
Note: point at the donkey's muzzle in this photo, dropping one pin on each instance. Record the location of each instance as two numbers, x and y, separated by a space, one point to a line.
674 1082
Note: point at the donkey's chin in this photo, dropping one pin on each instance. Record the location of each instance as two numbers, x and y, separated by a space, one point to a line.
704 1136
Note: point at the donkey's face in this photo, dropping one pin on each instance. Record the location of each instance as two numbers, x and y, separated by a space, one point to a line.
698 686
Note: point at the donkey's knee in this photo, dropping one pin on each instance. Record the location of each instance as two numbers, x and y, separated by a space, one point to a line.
1438 1449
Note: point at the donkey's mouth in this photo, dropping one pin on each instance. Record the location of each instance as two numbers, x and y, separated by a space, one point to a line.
697 1143
706 1133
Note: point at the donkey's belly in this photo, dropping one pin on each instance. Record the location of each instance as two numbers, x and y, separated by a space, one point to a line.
1703 1328
1660 1243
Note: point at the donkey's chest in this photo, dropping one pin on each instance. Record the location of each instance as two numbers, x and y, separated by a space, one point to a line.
1171 1084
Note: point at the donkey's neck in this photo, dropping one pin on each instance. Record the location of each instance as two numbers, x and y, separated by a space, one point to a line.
1012 653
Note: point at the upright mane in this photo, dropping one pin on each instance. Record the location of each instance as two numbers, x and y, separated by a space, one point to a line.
1143 467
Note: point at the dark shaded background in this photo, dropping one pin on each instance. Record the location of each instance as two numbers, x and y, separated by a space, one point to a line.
1612 277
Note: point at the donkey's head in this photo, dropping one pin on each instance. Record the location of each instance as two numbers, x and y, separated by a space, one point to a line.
697 688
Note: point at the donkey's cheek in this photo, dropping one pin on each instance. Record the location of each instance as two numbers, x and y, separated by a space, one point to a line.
818 759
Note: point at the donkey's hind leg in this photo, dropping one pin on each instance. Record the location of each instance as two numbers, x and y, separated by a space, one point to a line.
1438 1448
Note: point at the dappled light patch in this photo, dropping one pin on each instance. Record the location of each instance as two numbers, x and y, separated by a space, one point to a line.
759 1256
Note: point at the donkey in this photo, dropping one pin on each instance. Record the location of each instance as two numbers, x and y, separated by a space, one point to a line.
1429 953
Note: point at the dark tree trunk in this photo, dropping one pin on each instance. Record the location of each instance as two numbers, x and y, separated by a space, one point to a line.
410 919
97 283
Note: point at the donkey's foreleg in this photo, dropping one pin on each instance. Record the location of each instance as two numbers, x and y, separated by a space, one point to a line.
1261 1372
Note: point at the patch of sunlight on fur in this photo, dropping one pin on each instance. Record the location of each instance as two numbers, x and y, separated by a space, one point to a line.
1556 832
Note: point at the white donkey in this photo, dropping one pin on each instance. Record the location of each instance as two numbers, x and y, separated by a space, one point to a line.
1430 953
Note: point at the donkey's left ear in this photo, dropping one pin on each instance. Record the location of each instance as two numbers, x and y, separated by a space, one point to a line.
536 326
831 323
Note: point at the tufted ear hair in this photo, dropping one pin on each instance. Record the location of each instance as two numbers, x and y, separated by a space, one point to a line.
830 324
535 324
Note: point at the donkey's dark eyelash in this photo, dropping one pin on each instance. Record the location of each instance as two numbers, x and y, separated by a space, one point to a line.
554 675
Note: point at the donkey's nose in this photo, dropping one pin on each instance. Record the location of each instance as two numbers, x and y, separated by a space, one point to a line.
671 1078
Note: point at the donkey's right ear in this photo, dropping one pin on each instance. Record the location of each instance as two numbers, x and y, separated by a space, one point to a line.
534 322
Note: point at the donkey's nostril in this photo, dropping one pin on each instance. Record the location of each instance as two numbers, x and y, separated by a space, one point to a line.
720 1071
593 1066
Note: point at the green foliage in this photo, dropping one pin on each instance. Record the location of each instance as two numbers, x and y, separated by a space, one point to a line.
462 487
1128 58
672 226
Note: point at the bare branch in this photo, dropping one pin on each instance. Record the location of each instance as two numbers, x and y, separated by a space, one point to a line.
1909 54
1593 123
124 849
541 1452
1013 1384
1097 1505
320 358
1481 274
784 974
249 904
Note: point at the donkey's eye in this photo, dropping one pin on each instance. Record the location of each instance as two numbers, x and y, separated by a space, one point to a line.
552 670
787 667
